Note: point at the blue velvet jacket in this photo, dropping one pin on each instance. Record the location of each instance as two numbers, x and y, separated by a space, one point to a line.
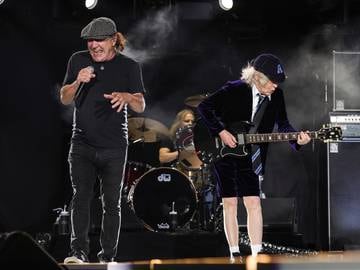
232 103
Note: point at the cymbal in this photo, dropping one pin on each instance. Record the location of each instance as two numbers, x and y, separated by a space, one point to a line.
146 129
194 101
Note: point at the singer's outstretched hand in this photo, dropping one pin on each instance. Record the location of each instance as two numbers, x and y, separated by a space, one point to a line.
118 99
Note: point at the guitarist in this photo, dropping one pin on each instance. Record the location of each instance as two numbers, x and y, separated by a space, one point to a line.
237 101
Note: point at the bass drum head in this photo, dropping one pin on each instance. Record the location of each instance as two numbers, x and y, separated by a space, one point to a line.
156 192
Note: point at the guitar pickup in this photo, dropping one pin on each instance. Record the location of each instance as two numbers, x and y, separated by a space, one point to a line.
217 142
240 138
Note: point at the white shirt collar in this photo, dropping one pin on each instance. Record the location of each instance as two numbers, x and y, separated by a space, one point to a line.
255 91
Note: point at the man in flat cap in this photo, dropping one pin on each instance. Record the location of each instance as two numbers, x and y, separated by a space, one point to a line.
256 98
103 84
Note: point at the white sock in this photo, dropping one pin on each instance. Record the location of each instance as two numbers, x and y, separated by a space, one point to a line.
255 249
234 249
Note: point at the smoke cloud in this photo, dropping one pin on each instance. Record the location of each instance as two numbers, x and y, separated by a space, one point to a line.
151 37
311 78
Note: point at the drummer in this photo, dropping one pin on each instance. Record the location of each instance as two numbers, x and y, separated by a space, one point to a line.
185 159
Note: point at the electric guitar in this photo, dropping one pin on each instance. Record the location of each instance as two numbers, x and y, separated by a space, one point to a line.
211 148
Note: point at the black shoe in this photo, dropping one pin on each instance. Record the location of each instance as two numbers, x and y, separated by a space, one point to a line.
104 259
236 257
77 257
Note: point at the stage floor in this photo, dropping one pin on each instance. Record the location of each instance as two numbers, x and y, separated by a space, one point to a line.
321 260
145 245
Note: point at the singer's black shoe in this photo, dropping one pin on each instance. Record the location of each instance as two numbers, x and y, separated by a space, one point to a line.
77 257
104 259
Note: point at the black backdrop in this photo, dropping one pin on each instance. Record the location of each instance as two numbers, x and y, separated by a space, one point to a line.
37 37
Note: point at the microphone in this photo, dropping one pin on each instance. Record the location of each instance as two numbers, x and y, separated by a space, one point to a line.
79 90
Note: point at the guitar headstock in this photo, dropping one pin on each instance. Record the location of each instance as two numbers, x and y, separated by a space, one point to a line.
330 133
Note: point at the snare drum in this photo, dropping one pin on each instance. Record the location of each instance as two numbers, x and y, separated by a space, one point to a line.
200 177
159 192
193 174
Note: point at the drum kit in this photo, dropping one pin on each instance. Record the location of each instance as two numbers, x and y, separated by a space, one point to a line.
176 198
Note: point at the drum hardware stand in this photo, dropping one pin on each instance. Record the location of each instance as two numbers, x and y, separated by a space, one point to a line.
214 217
218 218
173 218
261 193
205 216
215 204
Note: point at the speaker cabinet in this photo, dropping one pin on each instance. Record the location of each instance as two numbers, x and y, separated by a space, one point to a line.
346 94
343 195
19 251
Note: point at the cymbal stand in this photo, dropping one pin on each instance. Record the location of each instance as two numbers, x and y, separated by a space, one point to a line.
262 194
209 202
198 221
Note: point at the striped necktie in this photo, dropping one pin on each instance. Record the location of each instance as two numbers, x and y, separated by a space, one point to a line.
255 148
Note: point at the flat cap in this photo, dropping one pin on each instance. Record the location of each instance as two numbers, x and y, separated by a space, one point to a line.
99 28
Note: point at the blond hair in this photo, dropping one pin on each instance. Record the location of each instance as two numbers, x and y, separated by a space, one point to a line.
180 116
250 75
120 42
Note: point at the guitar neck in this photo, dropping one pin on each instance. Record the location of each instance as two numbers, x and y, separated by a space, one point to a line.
276 137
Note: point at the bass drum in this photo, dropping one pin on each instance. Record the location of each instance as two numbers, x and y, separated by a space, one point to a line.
158 194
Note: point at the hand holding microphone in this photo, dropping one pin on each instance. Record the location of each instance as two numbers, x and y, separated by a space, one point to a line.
84 76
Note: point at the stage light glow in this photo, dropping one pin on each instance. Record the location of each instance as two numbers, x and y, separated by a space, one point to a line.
226 4
90 4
